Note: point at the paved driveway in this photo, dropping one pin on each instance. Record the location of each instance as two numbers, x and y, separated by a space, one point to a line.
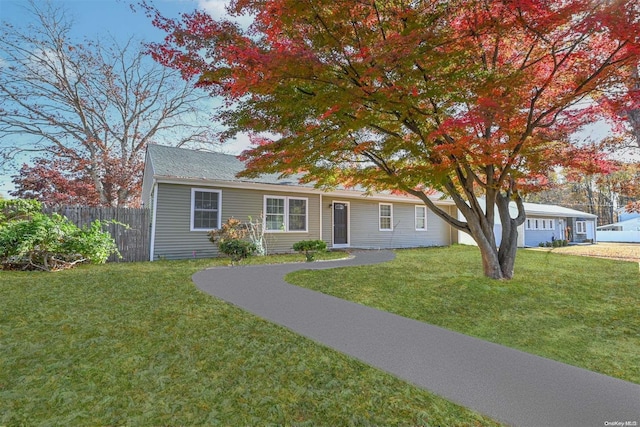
506 384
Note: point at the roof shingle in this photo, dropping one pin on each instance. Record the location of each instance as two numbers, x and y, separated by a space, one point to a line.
172 162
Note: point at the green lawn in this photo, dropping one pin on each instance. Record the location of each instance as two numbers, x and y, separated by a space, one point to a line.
578 310
138 344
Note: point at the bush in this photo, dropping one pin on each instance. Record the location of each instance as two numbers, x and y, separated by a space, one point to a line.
229 240
52 243
232 229
236 249
310 247
16 209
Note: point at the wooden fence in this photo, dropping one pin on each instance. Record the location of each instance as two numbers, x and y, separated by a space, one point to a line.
133 242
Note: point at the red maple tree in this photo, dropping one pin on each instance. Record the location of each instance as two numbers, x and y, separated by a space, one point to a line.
476 99
69 180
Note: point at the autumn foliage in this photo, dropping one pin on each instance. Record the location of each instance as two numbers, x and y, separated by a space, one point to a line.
476 99
67 181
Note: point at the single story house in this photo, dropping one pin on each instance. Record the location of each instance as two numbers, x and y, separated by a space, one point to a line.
545 223
191 192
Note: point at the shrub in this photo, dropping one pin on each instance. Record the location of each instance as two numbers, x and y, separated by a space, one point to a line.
310 247
256 230
237 249
229 240
52 243
232 229
16 209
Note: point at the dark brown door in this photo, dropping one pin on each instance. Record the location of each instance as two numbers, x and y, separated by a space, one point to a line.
340 226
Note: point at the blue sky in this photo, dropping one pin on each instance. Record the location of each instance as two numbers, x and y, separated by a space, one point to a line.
95 18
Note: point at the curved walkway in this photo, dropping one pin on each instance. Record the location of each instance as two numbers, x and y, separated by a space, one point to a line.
506 384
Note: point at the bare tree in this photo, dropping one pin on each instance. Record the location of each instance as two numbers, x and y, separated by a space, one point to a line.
96 103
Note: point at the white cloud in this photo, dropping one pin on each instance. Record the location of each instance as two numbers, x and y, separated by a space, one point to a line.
215 8
218 10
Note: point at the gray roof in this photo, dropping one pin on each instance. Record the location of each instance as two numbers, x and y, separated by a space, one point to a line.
181 163
555 210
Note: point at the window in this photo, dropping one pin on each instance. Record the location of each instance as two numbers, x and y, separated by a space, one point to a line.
205 209
285 214
581 227
297 214
421 218
539 224
386 217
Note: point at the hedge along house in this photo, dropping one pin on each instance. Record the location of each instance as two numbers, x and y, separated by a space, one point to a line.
191 192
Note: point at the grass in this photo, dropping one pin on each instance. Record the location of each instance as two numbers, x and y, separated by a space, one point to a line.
577 310
138 344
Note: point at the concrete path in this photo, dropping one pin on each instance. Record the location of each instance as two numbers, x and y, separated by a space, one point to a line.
508 385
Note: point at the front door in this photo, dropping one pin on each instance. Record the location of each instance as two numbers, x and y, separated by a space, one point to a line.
340 224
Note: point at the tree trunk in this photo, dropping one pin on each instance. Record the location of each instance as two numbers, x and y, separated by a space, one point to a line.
490 261
509 241
481 229
496 263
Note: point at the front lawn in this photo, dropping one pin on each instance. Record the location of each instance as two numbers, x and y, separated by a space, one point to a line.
581 311
138 344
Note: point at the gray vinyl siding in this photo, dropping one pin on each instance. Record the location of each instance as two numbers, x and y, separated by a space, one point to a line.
174 240
364 226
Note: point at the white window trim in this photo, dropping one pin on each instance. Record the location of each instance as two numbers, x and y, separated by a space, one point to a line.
581 227
380 216
286 214
543 224
193 206
424 209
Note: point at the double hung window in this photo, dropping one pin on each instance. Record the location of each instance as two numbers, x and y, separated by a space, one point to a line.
421 218
385 214
205 209
285 214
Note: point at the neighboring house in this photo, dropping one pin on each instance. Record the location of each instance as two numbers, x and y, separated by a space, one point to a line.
191 192
623 215
545 223
632 224
623 231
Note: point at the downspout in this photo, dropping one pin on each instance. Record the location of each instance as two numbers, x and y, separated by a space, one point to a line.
321 207
153 220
